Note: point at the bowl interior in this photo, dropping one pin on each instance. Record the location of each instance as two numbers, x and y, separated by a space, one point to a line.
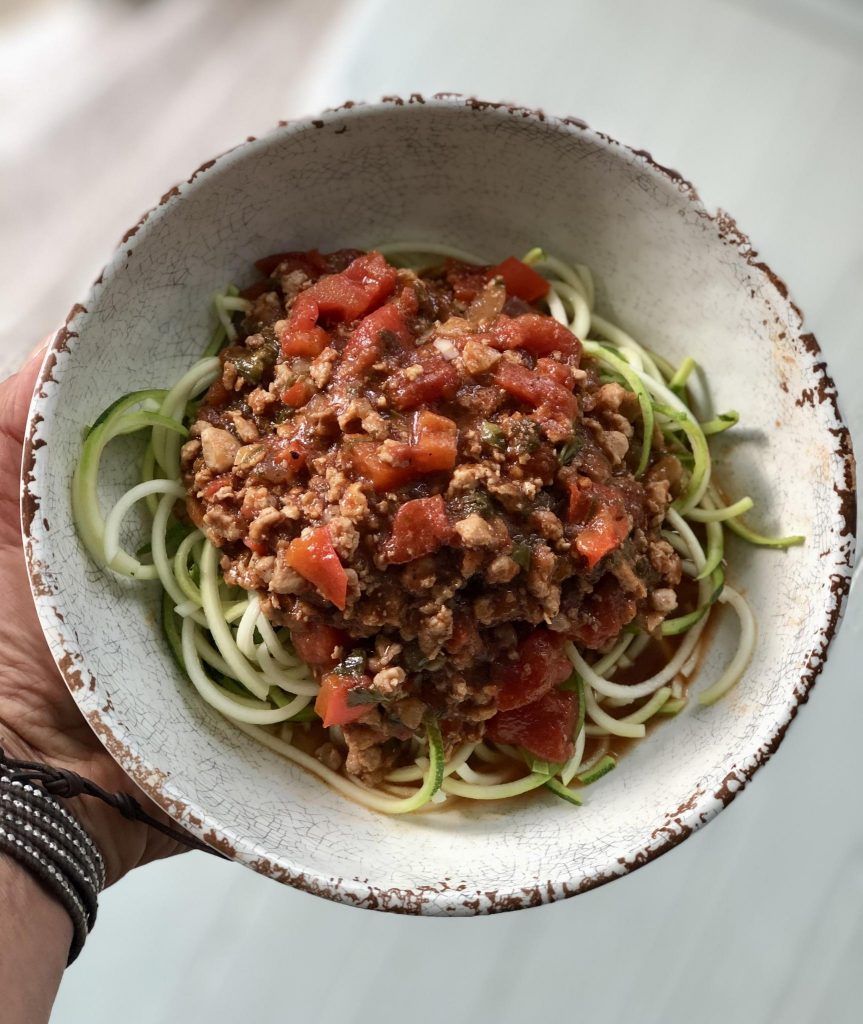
497 182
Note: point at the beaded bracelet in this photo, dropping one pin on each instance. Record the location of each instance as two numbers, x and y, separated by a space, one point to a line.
39 833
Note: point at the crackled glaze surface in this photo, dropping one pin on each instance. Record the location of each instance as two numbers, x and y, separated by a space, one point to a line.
495 180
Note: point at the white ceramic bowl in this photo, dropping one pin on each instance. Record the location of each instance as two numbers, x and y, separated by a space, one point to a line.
496 180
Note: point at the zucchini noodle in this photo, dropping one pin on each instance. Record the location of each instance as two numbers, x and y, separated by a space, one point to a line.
246 668
497 791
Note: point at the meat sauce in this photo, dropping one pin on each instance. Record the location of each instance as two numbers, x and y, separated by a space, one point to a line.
432 489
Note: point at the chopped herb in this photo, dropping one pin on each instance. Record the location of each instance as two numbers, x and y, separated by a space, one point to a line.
520 554
354 664
478 502
569 451
491 434
360 695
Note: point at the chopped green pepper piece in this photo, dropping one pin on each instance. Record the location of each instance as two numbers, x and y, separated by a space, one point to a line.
252 364
249 368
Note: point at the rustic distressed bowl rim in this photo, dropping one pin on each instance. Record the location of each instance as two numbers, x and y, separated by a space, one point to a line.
692 815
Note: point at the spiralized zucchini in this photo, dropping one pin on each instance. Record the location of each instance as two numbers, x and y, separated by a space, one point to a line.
246 668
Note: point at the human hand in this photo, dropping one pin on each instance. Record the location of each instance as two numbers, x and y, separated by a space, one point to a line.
39 721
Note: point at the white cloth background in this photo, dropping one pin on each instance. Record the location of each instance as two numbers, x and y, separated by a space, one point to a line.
758 918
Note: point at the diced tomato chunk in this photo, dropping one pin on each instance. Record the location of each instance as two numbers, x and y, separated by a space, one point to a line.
540 664
304 312
434 442
601 510
297 394
432 449
407 302
543 335
290 452
420 527
539 390
465 279
520 382
560 373
603 534
388 318
305 343
358 289
580 499
533 332
299 334
375 275
318 644
439 379
520 279
314 558
340 299
544 727
365 346
215 485
332 702
385 476
258 547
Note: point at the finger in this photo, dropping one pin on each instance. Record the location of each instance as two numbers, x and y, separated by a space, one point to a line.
36 354
16 393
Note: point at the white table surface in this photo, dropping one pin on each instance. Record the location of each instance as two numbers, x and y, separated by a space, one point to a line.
759 917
